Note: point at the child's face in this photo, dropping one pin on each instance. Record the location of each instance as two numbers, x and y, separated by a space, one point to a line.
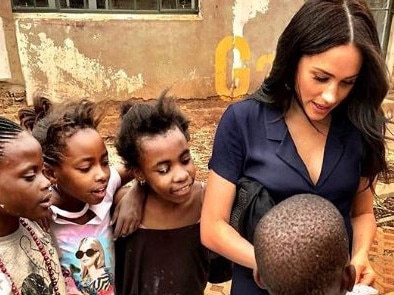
167 166
83 173
23 188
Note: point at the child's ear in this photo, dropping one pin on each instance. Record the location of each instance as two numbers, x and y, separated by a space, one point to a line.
348 278
138 174
257 279
49 173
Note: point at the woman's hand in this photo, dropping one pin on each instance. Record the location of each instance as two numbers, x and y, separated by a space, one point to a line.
364 272
216 232
364 229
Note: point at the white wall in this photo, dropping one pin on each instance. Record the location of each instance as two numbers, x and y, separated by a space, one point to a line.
5 72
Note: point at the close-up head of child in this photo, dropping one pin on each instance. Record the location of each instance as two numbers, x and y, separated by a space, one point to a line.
301 247
153 142
23 188
75 155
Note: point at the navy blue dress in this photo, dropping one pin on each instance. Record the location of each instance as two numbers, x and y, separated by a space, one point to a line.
252 139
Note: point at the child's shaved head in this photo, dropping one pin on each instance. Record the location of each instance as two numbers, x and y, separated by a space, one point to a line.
301 246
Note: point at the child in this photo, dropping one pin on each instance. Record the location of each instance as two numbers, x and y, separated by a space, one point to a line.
28 260
301 247
164 255
76 163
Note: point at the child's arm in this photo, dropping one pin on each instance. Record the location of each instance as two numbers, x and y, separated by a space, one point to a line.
128 202
125 174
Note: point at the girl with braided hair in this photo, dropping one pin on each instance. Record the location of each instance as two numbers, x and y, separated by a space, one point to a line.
24 198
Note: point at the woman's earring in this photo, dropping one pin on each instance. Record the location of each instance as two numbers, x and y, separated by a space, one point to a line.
287 87
141 182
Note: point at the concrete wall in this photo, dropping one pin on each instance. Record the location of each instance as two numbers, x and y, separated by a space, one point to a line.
121 56
5 73
10 68
390 52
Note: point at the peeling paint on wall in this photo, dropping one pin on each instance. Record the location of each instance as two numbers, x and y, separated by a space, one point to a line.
243 12
239 74
118 56
85 76
5 72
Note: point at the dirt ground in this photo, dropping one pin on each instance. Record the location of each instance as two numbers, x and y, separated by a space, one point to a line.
204 116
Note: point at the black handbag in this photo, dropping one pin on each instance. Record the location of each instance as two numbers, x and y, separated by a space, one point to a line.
252 201
220 268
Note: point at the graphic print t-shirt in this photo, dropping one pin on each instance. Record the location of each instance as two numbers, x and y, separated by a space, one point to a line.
25 263
87 252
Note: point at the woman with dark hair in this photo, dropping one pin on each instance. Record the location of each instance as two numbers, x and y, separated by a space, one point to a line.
315 126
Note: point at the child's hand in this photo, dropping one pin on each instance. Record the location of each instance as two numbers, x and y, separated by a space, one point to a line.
128 210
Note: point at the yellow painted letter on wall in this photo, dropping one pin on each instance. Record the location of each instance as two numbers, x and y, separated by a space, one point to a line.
264 63
241 75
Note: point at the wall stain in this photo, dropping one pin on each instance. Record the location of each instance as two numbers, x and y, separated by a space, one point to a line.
56 62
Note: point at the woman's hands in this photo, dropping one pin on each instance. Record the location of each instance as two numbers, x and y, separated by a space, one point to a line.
364 229
365 274
216 232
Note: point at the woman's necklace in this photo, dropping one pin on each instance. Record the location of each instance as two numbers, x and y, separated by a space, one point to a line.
47 261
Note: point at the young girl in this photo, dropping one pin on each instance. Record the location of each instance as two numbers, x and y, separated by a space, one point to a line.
164 256
76 163
28 260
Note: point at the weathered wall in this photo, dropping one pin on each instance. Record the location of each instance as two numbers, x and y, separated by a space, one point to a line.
5 73
390 52
10 72
122 56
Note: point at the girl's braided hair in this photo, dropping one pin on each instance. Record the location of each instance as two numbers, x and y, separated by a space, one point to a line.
8 130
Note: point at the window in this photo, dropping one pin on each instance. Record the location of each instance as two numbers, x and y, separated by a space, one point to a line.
114 6
382 12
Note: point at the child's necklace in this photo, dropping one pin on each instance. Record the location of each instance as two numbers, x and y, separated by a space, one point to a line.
47 261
